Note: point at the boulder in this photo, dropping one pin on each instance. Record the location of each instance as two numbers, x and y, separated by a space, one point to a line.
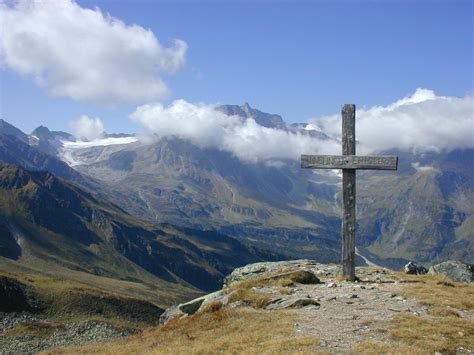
456 270
256 270
413 268
171 313
283 303
193 306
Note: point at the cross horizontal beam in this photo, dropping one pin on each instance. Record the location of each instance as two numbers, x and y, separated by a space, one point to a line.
380 162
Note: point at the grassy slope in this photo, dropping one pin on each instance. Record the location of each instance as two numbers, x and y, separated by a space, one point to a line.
63 299
247 330
66 233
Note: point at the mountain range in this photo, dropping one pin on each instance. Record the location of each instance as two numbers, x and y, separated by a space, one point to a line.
163 208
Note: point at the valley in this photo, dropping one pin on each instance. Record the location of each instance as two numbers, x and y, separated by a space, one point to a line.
104 235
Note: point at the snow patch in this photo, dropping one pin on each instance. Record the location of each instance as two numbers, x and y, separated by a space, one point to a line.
98 142
68 149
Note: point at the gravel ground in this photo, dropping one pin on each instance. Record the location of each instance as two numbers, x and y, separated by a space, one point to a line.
67 333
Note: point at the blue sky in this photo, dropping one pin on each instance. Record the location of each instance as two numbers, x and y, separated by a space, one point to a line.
300 59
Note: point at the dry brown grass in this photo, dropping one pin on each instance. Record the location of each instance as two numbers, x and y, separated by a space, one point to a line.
285 282
222 331
212 306
445 334
249 298
284 278
378 347
443 331
439 292
284 290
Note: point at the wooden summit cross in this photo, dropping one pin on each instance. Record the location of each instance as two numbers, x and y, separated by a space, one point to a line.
349 162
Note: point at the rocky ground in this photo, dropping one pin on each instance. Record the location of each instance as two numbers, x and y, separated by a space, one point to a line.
311 297
28 333
340 314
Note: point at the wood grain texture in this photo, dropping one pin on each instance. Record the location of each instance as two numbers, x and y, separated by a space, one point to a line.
348 194
349 163
382 162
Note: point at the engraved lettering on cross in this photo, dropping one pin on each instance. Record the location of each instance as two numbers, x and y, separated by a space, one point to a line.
349 163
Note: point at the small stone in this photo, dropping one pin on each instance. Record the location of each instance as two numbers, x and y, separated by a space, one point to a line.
235 304
354 296
332 284
413 268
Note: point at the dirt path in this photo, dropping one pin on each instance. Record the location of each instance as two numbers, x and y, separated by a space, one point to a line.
351 313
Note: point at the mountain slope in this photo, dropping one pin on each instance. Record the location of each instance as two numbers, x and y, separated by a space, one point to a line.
422 211
173 180
54 222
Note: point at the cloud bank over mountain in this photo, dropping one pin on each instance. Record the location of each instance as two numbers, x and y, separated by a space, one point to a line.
420 122
205 126
85 54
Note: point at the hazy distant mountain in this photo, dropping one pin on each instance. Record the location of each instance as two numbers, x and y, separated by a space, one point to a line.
10 130
174 180
425 212
262 118
19 152
48 141
421 212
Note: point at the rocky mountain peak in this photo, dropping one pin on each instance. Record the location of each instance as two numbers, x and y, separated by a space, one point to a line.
8 129
247 109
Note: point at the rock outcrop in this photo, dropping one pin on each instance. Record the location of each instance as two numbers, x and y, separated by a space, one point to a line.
413 268
256 270
456 270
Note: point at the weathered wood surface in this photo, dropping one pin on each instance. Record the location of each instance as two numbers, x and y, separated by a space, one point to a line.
349 163
381 162
348 194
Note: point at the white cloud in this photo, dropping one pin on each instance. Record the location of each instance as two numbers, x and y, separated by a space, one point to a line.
420 122
88 129
85 54
422 168
247 140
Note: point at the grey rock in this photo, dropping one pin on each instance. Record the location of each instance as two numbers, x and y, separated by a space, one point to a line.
171 313
255 270
235 304
193 306
456 270
283 303
413 268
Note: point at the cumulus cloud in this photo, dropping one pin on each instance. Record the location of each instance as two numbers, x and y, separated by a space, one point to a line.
420 122
85 54
207 127
87 128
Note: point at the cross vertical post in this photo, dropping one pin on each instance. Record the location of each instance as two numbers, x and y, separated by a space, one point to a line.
348 194
349 163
